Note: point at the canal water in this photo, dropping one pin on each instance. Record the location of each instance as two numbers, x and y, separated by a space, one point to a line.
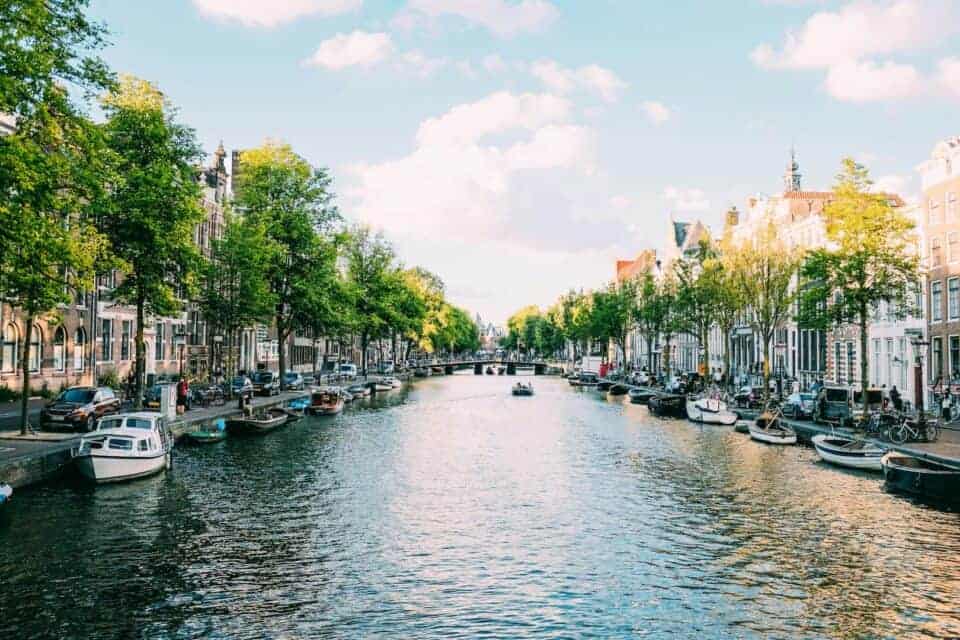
451 509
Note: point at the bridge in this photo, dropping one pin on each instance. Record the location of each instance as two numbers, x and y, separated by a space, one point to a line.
539 366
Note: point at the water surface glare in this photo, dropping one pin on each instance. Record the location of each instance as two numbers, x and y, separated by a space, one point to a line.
451 509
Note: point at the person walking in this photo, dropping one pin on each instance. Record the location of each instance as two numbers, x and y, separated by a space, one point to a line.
183 390
895 398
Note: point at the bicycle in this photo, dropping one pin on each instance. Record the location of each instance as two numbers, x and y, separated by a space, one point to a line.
914 431
880 424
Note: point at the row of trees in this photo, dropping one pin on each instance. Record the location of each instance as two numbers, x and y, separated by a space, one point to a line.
763 281
80 198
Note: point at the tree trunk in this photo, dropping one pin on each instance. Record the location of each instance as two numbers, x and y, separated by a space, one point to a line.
767 337
25 369
864 363
364 341
726 357
282 352
666 358
140 362
705 340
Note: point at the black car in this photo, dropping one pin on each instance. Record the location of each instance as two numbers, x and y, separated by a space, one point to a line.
79 408
266 383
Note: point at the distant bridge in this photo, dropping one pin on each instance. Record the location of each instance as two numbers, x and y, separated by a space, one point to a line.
539 366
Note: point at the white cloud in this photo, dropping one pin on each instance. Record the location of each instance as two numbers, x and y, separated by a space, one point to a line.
948 76
892 184
620 202
494 63
656 112
421 64
686 199
866 81
591 77
359 48
259 13
502 17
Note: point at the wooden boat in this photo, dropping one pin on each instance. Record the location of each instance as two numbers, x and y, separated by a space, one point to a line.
214 433
640 396
770 428
6 494
668 405
124 447
710 411
924 478
523 389
848 452
260 423
618 390
359 391
588 380
327 402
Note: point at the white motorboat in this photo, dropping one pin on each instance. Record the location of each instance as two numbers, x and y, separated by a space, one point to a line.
393 382
710 411
125 446
771 429
848 452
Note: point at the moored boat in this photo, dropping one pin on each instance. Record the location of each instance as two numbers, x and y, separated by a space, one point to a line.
6 494
618 390
848 452
604 384
125 446
588 380
212 433
924 478
421 373
742 426
770 428
710 411
640 396
668 405
259 423
359 391
523 389
326 402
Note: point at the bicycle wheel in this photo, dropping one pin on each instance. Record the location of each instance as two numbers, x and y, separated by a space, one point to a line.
899 434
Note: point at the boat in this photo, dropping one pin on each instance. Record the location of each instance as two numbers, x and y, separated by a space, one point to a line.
523 389
421 373
213 433
770 428
588 380
394 383
604 384
639 396
618 390
125 446
326 402
259 423
848 452
668 405
710 411
346 395
6 494
574 380
742 426
924 478
358 391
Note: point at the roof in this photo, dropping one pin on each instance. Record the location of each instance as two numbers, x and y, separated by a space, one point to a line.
143 415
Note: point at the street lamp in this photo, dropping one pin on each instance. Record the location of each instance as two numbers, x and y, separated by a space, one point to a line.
218 347
918 387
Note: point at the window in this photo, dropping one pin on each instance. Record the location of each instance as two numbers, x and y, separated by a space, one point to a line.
936 215
953 246
889 376
142 445
936 369
106 337
158 345
837 370
36 348
901 355
79 346
8 353
954 357
876 362
121 444
952 207
851 362
125 330
936 252
59 350
953 298
138 423
936 301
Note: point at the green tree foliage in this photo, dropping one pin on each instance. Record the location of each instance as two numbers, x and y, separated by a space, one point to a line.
370 277
870 260
613 313
154 204
698 289
51 169
292 201
729 298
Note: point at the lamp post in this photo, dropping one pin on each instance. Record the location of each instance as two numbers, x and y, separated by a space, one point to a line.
218 356
918 387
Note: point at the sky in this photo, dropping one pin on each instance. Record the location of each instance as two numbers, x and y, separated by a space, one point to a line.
517 148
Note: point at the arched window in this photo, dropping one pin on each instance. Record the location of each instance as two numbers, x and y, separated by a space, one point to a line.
79 348
8 349
36 348
59 350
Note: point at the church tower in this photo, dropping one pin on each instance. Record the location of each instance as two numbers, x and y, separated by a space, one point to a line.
791 179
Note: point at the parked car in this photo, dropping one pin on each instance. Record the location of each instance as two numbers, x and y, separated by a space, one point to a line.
241 385
205 395
799 405
294 381
309 380
151 397
79 408
835 407
266 383
348 371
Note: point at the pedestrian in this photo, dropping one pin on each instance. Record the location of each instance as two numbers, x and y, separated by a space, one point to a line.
895 398
183 390
945 407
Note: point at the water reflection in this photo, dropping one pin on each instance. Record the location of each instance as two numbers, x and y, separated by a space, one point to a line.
451 509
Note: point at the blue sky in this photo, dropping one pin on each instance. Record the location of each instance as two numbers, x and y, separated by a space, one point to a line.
517 147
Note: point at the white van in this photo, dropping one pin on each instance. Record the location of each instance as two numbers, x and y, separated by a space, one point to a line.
348 371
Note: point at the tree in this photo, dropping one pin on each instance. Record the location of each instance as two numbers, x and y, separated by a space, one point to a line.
765 268
870 260
370 267
697 292
728 299
235 292
429 291
614 313
154 205
51 168
278 189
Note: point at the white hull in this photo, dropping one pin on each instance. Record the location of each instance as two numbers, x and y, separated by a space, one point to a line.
865 457
776 436
102 469
716 412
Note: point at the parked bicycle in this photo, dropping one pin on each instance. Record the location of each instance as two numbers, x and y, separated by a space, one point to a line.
911 430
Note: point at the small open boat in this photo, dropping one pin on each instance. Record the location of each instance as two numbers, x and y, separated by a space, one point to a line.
259 423
211 433
668 405
360 390
710 411
523 389
640 396
604 384
923 478
326 402
618 390
742 426
771 429
587 380
6 494
848 452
